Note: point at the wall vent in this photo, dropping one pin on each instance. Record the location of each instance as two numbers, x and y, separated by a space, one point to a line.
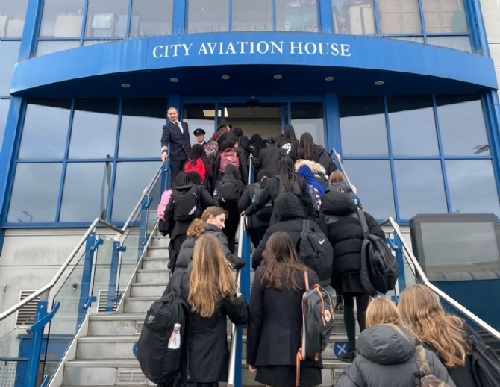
26 314
131 377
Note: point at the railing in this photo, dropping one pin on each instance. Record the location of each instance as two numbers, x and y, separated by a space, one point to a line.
243 280
98 269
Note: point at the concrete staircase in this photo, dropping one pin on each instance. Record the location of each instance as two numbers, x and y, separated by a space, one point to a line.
105 356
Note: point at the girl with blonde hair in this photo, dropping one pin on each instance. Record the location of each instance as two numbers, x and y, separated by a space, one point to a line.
212 222
212 295
387 351
443 333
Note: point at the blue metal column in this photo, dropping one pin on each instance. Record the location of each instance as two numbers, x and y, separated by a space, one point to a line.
398 248
332 123
113 296
143 226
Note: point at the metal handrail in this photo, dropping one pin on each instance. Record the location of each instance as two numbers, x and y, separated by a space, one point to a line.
339 162
145 193
412 261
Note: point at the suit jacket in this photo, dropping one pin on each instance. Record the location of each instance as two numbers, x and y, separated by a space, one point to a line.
268 159
180 145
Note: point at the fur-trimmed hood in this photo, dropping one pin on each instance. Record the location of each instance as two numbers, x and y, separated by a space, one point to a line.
315 167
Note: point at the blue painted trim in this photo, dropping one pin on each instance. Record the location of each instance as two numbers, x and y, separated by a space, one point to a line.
129 19
230 16
112 182
476 26
422 19
325 16
36 343
113 275
180 16
398 248
391 159
332 123
491 108
31 27
84 21
378 28
363 53
275 19
441 152
85 286
263 99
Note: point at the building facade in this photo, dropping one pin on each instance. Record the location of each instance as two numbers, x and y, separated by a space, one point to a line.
404 90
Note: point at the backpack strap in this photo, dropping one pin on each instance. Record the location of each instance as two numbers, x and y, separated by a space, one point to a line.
362 221
422 362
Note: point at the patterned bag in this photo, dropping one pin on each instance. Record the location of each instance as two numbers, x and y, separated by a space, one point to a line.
424 377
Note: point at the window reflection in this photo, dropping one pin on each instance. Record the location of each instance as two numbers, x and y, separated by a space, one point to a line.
308 117
362 126
131 178
472 186
420 187
461 43
142 123
399 17
4 110
62 18
49 47
207 16
106 19
148 20
354 17
93 134
462 126
297 15
85 192
9 53
444 16
45 129
12 14
45 178
255 15
372 179
200 116
413 131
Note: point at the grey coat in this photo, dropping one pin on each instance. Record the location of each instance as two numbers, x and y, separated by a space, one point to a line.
387 358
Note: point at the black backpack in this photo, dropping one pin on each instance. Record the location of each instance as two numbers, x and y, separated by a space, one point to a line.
159 363
379 269
484 361
315 251
186 200
264 214
227 189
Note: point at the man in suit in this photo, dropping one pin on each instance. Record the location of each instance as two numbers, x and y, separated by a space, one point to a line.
175 143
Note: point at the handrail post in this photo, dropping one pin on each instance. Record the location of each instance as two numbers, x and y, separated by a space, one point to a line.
114 267
143 225
398 248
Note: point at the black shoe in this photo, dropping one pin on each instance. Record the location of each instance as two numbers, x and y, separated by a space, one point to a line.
348 357
339 306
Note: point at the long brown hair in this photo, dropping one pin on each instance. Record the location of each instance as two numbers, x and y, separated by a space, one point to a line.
421 311
211 278
196 228
281 263
382 311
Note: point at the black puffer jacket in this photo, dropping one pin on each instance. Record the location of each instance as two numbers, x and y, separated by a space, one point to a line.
186 252
341 225
386 357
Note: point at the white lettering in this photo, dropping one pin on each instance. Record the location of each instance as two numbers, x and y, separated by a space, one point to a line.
242 46
202 50
187 48
175 47
211 47
155 52
230 49
252 49
260 49
295 46
323 50
345 50
310 48
278 48
335 49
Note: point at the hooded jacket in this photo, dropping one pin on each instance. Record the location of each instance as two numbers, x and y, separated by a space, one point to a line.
341 225
186 253
386 357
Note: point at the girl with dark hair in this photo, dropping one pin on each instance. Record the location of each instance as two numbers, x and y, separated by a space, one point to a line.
212 295
287 181
276 317
316 190
308 150
288 142
230 146
256 144
198 162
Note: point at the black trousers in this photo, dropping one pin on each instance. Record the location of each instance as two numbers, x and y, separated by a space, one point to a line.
176 166
232 223
256 234
362 300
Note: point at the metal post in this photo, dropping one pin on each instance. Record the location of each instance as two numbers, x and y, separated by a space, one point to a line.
143 226
400 260
113 295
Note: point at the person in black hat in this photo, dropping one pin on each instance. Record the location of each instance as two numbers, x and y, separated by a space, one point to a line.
199 134
268 157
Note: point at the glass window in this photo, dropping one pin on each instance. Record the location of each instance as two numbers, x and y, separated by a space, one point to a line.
46 179
399 17
151 17
461 43
207 16
107 19
4 110
255 15
94 128
372 179
131 179
297 15
444 16
462 126
45 129
472 186
413 131
420 187
86 191
353 17
9 52
142 122
362 126
308 117
49 47
62 18
200 116
12 14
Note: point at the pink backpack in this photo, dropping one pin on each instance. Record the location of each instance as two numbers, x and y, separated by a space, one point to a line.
165 198
229 156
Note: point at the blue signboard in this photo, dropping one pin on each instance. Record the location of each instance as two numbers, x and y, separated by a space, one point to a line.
340 348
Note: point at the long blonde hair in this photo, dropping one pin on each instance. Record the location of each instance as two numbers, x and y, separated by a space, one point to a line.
382 311
421 311
211 278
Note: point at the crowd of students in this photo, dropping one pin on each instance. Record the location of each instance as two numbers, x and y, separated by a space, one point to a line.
294 181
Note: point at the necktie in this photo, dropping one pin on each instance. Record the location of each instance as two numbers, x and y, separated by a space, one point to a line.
180 127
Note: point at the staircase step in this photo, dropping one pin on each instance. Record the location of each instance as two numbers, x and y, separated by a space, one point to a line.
115 324
147 289
157 252
160 241
155 263
152 275
106 347
138 304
